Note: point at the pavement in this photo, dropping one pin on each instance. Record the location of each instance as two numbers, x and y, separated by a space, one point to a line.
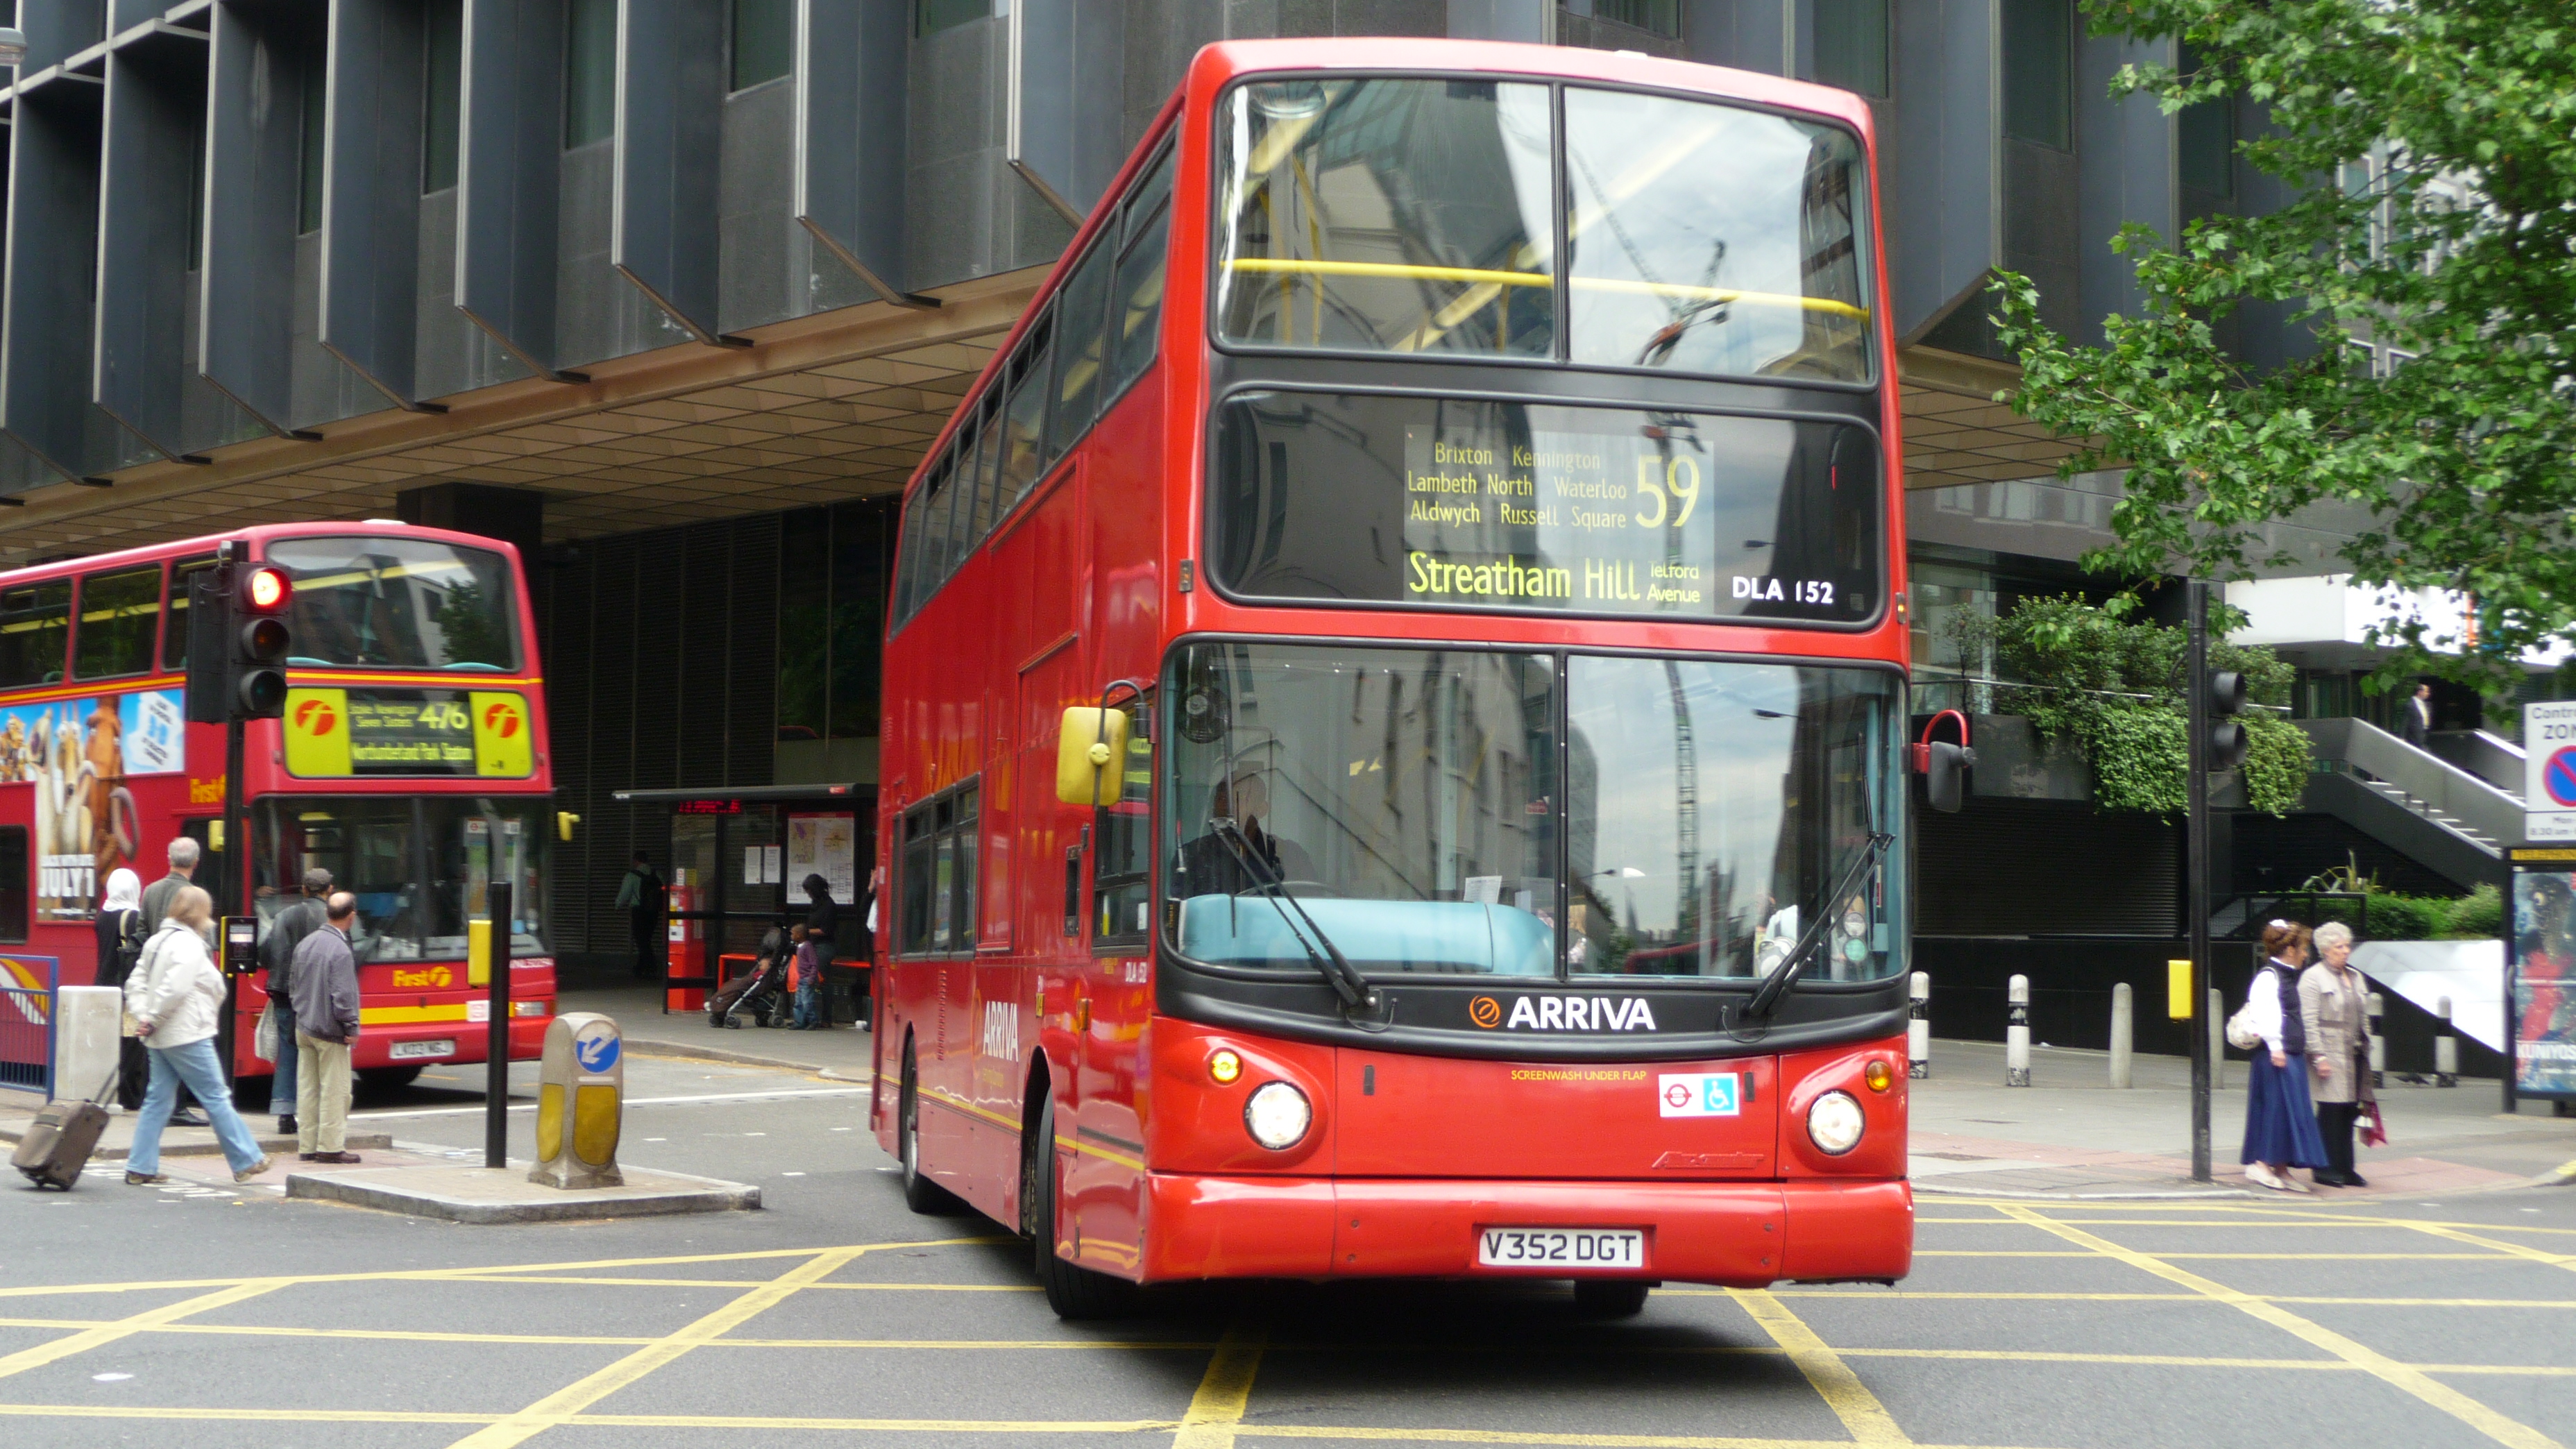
842 1052
215 1317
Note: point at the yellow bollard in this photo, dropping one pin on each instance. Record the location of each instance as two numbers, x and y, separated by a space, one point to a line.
581 1098
2178 990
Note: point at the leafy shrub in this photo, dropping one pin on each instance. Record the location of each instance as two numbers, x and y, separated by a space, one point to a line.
2476 915
2479 915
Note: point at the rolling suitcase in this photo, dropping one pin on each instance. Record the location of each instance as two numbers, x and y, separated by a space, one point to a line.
60 1139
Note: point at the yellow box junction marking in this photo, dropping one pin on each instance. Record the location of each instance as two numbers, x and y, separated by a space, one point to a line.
1216 1410
1843 1392
89 1338
2413 1381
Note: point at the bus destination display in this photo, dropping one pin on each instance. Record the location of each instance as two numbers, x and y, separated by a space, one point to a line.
1525 507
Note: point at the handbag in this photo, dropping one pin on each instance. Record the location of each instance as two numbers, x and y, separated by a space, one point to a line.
263 1038
2374 1132
2240 1029
127 1025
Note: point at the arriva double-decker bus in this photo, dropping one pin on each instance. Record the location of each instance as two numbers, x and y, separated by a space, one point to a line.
1392 757
411 763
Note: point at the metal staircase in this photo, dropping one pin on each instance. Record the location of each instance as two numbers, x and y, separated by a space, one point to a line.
2454 820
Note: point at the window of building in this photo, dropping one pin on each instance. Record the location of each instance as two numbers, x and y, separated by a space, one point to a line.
174 635
938 882
119 614
764 41
590 72
443 95
1661 17
2205 141
13 882
35 624
2039 64
932 16
308 174
1851 45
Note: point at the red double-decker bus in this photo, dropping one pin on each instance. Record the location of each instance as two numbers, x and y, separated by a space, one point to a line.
1392 749
411 764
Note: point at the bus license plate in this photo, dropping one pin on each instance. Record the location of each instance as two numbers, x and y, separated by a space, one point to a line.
403 1050
1554 1248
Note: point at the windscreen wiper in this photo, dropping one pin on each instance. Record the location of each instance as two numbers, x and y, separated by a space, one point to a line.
1347 982
1767 995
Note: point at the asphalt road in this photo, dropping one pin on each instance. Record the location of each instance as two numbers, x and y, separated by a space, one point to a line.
197 1316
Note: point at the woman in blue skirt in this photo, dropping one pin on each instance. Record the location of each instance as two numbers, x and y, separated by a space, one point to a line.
2280 1122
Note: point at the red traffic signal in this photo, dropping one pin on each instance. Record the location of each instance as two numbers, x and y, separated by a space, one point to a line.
266 590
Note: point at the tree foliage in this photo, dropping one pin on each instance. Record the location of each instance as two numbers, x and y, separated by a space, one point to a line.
2462 252
2113 686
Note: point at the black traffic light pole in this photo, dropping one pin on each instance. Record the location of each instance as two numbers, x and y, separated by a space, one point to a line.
237 650
2196 867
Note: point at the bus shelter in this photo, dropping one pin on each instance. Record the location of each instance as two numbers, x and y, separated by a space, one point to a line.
739 860
2540 970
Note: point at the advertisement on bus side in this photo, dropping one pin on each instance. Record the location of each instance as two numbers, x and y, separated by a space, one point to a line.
78 754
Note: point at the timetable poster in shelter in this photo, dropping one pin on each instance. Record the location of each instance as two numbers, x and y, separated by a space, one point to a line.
78 755
824 845
2544 982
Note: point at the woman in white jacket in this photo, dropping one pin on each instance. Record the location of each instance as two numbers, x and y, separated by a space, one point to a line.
177 997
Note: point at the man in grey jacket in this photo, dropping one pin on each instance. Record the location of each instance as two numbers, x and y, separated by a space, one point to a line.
277 952
324 983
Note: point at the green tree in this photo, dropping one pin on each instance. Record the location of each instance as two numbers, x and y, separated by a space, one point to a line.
2461 250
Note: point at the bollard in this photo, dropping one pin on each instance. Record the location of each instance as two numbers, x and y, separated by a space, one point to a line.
1918 1026
2446 1048
2217 1040
2017 1032
2378 1043
2124 1014
581 1095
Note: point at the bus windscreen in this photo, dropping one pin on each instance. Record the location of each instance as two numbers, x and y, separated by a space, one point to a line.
1472 503
399 603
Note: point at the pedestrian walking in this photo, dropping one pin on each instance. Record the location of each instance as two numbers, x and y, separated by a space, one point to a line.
814 940
277 953
325 976
121 935
184 855
644 898
2334 1013
2280 1121
177 995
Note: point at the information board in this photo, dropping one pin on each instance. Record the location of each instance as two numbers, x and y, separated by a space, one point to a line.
346 732
2541 1004
2549 770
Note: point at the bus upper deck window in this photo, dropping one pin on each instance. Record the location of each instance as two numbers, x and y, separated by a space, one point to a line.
35 624
1388 216
119 614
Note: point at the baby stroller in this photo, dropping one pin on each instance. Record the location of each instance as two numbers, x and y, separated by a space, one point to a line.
760 993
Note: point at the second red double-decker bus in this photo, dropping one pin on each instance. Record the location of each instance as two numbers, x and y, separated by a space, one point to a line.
1392 750
410 763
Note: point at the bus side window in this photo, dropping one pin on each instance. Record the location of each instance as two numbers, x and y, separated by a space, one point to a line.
35 625
13 882
1137 300
174 633
119 613
1121 878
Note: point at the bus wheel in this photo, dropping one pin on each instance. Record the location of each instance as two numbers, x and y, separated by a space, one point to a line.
919 1193
1072 1291
388 1079
1610 1297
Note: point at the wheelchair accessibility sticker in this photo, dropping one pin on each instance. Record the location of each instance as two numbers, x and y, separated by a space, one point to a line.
1698 1094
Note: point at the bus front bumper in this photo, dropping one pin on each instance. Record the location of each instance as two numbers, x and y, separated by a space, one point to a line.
1739 1234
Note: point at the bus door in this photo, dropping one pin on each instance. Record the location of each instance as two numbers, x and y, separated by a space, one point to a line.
214 865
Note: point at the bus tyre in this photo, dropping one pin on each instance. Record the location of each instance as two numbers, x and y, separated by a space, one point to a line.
388 1079
919 1193
1610 1297
1072 1291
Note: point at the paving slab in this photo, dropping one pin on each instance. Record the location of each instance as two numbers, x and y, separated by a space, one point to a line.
472 1194
118 1139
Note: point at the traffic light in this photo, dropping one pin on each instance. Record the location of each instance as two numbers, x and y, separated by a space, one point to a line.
237 642
2227 740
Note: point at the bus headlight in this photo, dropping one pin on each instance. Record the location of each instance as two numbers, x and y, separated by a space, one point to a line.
1834 1123
1278 1115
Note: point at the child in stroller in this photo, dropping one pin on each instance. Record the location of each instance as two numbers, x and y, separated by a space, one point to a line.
760 992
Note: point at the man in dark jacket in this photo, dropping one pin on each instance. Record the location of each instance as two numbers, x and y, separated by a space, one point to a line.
323 977
644 898
2417 726
277 953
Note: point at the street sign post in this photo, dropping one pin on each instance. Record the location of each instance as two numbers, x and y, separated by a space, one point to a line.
2549 770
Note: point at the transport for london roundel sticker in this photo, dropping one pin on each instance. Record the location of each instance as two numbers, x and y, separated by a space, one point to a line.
2559 776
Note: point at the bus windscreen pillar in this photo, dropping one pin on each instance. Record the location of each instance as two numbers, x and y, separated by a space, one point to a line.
581 1097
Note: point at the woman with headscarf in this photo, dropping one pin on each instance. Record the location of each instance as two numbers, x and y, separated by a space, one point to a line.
2334 1014
120 945
2280 1122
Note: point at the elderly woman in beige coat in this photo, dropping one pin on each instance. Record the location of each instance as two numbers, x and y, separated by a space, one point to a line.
2333 1005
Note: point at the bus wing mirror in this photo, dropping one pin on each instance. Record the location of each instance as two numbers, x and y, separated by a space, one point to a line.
565 822
1087 756
1945 775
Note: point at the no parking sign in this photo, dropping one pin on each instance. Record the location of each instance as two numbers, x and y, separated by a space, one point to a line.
2549 770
